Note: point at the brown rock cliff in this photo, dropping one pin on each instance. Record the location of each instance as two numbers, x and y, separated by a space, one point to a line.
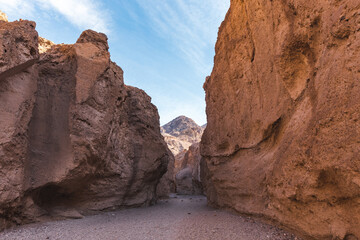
74 138
283 107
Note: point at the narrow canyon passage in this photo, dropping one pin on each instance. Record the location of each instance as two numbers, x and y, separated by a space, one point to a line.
180 217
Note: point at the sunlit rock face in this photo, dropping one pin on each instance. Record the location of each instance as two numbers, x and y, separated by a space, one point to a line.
181 133
283 108
74 139
3 17
44 45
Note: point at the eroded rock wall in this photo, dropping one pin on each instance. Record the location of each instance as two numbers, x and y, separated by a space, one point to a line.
187 178
18 83
75 139
283 107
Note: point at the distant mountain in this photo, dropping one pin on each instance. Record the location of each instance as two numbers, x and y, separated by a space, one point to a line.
181 133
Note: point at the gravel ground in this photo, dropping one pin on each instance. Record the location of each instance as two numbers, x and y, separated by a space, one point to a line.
180 217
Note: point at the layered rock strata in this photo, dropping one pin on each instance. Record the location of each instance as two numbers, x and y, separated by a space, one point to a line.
283 106
74 138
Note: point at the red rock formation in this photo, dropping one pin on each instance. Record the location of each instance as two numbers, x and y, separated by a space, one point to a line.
18 76
283 107
83 142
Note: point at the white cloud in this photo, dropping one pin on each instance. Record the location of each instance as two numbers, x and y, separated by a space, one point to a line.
190 24
83 14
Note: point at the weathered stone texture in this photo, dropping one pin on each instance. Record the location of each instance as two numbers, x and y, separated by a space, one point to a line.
187 178
83 142
283 107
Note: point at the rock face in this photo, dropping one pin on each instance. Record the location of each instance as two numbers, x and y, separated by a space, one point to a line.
18 77
74 139
44 45
183 136
3 17
181 133
187 178
283 107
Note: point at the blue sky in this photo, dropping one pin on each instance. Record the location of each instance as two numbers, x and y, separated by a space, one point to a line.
165 47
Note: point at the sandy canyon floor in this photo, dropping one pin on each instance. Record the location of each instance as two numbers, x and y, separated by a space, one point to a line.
180 217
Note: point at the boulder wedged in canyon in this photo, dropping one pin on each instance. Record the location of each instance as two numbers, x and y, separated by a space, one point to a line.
75 139
187 178
283 107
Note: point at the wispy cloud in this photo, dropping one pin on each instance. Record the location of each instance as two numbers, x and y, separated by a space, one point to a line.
81 13
190 24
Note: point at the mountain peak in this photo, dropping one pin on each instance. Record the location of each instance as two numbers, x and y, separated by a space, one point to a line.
177 126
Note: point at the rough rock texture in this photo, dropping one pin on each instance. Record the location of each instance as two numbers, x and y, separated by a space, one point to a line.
45 45
188 179
181 133
18 76
83 142
167 182
3 17
283 107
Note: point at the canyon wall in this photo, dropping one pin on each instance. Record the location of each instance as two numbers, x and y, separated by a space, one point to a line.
74 139
283 107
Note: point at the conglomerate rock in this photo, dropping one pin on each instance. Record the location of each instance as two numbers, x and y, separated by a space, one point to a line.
283 107
73 138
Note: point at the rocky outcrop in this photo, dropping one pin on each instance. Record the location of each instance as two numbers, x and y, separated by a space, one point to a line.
181 133
283 107
3 17
45 45
187 178
74 139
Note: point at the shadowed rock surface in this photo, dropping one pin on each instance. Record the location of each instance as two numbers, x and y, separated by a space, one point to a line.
74 139
283 107
187 178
